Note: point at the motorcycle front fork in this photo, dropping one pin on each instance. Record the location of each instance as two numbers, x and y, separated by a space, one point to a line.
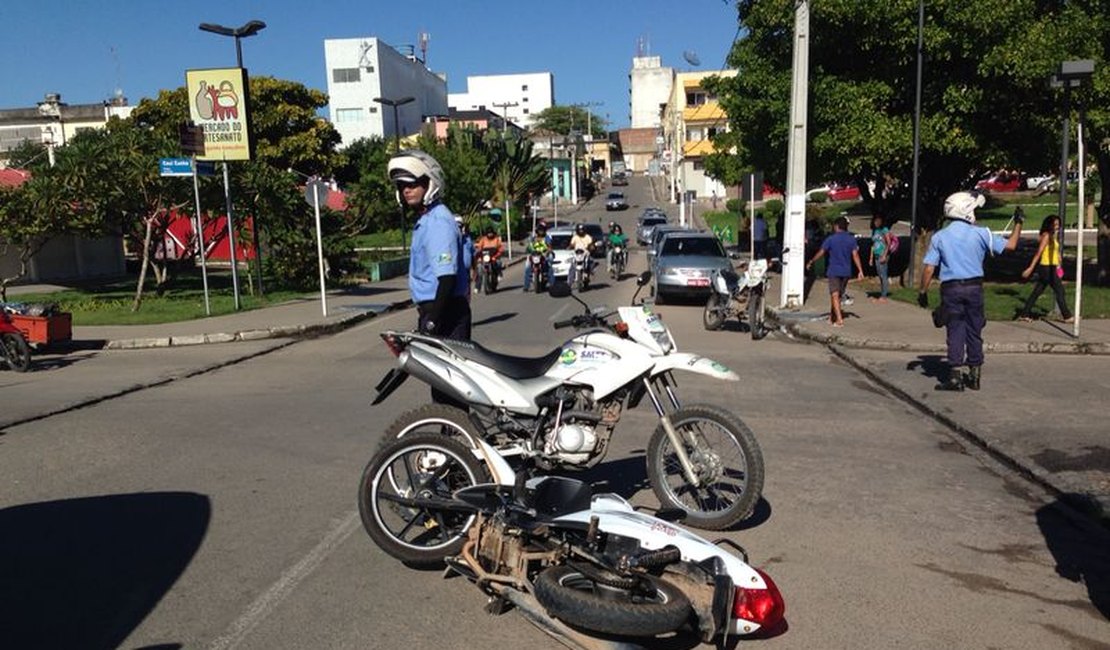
668 427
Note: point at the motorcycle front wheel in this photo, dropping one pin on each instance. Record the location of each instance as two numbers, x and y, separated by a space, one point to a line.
423 467
17 354
727 462
756 325
657 607
714 316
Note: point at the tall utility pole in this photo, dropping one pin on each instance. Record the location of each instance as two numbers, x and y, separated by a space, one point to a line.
504 134
916 139
793 273
249 29
385 101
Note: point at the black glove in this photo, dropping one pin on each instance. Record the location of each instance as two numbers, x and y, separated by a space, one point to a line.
923 299
1019 215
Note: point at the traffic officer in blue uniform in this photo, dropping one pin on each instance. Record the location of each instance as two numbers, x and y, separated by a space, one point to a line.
958 251
438 273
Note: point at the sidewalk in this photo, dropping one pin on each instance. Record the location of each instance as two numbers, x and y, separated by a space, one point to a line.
1041 408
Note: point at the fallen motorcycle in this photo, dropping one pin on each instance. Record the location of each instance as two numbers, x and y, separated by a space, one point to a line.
15 353
560 410
590 561
735 295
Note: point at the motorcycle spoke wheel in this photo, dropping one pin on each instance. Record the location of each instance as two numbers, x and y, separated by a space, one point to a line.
726 459
654 607
713 318
17 354
424 466
756 315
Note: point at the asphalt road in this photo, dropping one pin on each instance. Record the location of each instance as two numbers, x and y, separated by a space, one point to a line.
217 510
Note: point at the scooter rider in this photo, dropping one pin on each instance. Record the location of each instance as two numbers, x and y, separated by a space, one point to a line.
616 238
438 274
581 240
540 243
490 239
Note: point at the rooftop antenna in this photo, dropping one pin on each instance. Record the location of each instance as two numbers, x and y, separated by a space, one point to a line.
643 47
423 39
118 92
691 58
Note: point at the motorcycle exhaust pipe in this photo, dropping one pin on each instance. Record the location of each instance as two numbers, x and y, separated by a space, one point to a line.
443 376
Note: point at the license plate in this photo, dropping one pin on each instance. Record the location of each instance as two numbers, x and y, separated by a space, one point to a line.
697 282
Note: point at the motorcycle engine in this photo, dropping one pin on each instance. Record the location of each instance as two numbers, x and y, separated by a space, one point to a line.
572 443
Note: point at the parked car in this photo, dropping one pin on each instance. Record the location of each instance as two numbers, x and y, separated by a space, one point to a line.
1000 182
684 264
647 225
616 201
834 192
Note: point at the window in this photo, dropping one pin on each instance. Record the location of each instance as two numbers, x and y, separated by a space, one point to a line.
344 75
524 87
695 98
525 100
373 109
695 133
526 111
712 131
699 164
348 115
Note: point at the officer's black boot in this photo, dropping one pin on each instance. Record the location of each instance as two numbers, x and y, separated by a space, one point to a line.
973 374
954 382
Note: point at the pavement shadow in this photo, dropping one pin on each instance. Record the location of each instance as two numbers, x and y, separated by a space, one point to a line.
84 573
1080 548
362 290
930 365
625 476
496 318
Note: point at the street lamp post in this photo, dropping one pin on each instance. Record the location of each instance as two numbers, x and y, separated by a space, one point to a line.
385 101
249 29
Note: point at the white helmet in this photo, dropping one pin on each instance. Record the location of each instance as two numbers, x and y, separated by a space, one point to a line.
961 206
410 165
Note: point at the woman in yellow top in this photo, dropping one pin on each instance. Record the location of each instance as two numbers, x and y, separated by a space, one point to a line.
1046 262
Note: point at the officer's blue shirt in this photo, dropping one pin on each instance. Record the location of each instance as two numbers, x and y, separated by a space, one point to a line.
437 250
958 250
468 251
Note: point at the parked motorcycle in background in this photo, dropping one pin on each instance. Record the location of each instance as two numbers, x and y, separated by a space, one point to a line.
568 559
735 295
487 270
15 353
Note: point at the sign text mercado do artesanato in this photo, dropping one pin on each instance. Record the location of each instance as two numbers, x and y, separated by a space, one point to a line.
218 103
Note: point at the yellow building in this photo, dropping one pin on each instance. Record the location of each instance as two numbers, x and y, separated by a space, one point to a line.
691 116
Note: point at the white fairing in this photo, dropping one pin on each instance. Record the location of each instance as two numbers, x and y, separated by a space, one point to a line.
694 363
589 359
646 328
757 270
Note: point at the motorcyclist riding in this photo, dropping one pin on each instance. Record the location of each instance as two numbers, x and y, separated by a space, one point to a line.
581 240
616 238
490 240
540 243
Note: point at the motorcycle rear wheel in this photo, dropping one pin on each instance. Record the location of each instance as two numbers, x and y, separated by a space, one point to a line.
17 354
713 318
571 596
428 466
726 459
756 324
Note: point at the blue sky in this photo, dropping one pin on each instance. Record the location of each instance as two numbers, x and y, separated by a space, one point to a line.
84 49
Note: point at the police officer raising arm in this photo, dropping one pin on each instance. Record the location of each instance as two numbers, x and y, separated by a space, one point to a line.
958 250
438 274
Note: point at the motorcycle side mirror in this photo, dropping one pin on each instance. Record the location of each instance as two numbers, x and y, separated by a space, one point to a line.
644 278
733 255
559 289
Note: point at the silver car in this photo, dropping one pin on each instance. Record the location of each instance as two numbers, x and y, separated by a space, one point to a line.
657 234
684 264
647 224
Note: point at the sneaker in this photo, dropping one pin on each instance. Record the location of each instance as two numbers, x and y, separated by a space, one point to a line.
847 301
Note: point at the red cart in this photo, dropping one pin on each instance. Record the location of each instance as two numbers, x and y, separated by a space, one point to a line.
45 330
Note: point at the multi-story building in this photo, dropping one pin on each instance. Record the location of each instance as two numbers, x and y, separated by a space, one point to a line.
516 96
649 88
362 69
691 117
53 122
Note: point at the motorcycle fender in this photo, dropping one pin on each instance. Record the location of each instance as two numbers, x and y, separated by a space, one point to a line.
693 363
498 467
388 384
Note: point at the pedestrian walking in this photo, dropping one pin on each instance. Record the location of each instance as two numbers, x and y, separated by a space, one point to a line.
468 252
438 273
958 251
880 254
1046 263
843 253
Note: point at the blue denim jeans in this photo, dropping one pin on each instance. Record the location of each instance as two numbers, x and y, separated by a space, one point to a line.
882 269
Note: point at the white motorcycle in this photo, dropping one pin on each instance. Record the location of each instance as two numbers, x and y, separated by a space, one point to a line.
734 295
568 559
559 410
580 269
618 260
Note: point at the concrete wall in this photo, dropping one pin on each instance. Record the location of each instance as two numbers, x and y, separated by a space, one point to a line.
67 258
650 85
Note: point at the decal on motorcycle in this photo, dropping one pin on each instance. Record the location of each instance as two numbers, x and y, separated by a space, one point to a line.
719 367
660 527
568 357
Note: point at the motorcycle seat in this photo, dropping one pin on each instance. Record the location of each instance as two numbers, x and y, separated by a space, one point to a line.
508 365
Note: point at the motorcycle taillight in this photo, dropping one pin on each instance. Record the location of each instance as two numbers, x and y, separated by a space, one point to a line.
393 344
763 606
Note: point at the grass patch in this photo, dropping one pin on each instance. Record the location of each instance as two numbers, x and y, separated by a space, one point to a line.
110 303
1002 300
725 224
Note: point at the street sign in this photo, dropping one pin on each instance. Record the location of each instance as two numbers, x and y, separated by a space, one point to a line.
191 138
175 167
218 101
184 167
316 189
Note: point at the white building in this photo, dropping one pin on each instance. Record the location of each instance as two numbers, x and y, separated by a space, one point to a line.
360 69
526 94
650 86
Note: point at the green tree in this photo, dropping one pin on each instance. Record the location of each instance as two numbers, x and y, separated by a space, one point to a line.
465 163
518 173
564 119
371 199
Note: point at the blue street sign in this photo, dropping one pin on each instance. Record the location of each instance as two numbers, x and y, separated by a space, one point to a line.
184 167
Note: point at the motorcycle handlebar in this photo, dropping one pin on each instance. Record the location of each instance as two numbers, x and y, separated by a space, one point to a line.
560 324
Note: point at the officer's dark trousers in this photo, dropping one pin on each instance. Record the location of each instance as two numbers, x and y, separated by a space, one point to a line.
963 305
454 324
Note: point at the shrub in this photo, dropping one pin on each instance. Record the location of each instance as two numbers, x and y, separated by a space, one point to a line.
735 205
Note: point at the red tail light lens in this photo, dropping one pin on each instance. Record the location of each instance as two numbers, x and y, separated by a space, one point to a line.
765 607
621 328
393 344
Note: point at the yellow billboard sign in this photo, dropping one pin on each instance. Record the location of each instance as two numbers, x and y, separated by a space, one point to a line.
218 104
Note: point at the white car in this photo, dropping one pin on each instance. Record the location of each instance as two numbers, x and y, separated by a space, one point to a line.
561 256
